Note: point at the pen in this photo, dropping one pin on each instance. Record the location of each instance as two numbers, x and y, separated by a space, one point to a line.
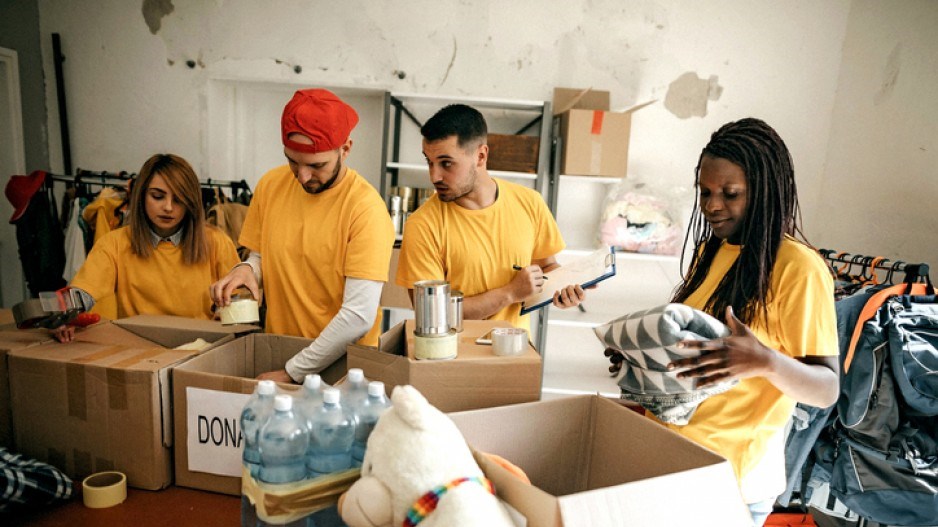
517 267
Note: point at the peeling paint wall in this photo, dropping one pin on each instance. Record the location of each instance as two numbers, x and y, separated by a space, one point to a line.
881 174
138 72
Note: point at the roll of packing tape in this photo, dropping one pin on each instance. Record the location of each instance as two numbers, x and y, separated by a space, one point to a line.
435 347
104 489
240 311
509 341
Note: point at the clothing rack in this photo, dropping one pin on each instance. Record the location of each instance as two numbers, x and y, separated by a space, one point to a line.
914 272
115 178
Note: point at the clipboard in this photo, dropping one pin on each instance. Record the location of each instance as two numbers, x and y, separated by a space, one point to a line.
585 272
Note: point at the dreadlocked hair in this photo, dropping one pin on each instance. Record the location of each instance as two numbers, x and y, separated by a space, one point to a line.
772 213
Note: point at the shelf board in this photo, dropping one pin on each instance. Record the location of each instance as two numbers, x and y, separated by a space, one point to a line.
624 255
496 173
590 179
509 104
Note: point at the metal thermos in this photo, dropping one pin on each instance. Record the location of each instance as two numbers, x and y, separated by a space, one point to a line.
431 303
397 215
454 314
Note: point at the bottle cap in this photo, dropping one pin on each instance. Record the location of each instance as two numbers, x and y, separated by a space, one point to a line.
312 382
330 396
375 388
283 403
266 387
356 375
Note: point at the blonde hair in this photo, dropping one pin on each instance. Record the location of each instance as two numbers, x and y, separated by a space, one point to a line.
182 181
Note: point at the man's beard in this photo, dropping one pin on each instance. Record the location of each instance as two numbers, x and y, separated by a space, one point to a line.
328 184
461 191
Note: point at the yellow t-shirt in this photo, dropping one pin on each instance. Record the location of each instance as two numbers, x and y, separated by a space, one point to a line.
474 250
160 284
739 423
309 245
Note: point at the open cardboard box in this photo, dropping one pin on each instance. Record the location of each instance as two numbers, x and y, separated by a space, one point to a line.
102 402
593 462
11 339
595 140
476 378
97 403
209 392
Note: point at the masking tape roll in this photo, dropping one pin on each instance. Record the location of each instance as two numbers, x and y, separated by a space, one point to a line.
435 348
104 489
240 311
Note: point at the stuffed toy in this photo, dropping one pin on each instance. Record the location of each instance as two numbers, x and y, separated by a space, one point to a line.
418 470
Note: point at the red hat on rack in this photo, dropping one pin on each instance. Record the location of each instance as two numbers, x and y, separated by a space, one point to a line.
21 189
320 116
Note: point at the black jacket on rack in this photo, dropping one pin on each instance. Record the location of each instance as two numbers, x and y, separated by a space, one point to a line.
41 244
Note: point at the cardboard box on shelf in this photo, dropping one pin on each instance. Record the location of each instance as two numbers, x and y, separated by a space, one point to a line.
209 392
11 339
595 140
97 403
476 378
514 153
593 462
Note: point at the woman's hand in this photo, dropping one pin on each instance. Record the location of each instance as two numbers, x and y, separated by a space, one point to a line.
63 333
616 359
738 356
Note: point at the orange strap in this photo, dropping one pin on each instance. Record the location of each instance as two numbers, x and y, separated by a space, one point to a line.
872 305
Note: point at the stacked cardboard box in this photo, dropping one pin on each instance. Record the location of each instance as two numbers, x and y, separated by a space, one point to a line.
13 339
102 402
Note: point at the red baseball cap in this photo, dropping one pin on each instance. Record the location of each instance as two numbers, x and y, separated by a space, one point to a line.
320 116
21 189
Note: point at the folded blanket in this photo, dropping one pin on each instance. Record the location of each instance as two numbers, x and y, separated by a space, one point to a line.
647 339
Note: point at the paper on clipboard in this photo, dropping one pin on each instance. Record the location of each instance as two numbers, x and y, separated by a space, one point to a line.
586 271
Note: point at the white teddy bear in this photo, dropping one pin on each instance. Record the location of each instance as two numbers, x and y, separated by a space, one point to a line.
419 470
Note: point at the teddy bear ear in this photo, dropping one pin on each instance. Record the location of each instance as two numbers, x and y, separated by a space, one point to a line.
411 406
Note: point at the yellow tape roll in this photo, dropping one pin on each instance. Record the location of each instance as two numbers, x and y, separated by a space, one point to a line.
104 489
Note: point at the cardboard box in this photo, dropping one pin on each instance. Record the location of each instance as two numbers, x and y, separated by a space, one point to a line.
595 463
515 153
103 401
209 392
13 339
476 378
97 403
595 140
171 332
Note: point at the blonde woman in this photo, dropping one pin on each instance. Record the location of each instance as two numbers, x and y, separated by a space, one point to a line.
165 259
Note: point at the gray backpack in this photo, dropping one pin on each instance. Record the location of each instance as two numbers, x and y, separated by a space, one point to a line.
880 447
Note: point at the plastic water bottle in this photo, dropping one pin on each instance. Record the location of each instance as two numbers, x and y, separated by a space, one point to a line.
255 413
331 432
309 397
354 389
283 442
368 414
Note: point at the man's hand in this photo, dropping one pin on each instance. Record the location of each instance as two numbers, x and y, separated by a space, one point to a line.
616 359
240 276
527 281
570 296
276 376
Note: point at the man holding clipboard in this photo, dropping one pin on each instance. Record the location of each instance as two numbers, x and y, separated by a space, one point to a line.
489 238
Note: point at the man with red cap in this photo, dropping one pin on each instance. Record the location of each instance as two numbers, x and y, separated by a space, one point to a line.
320 239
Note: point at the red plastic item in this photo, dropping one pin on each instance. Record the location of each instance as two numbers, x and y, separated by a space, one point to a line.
85 319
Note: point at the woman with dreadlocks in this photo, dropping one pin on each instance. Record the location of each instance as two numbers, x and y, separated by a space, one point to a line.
774 293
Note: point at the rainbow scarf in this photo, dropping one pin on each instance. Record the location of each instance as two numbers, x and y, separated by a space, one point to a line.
428 502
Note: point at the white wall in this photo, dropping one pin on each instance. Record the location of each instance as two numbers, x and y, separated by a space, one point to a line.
130 92
881 176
